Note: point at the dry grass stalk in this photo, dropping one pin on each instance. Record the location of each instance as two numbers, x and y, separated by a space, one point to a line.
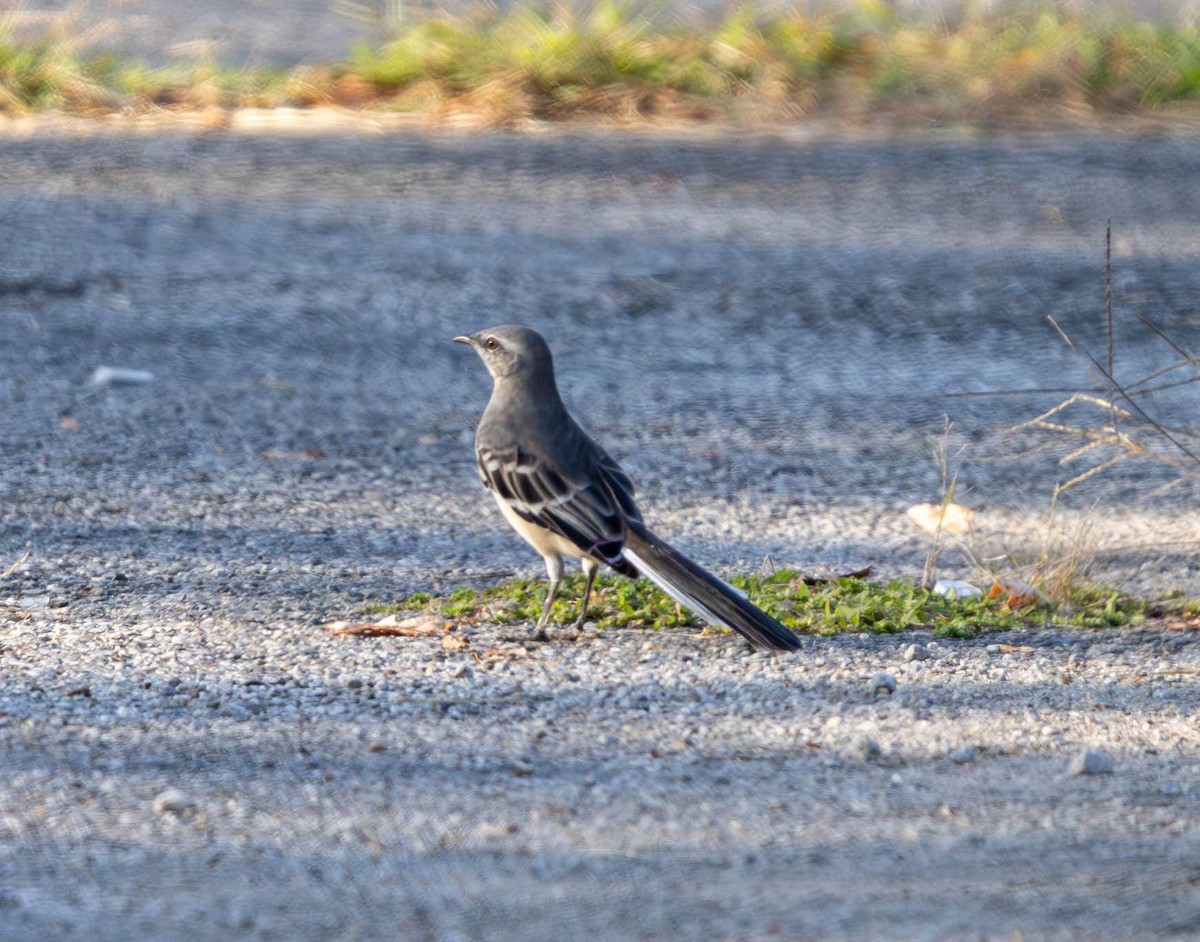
1126 430
15 566
937 544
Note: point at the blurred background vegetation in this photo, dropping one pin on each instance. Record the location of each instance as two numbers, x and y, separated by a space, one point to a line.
983 63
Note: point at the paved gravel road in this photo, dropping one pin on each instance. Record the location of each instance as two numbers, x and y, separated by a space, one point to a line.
770 333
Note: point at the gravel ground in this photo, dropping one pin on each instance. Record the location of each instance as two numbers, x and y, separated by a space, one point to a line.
770 333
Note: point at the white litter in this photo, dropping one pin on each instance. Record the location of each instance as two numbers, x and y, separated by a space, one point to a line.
956 588
120 376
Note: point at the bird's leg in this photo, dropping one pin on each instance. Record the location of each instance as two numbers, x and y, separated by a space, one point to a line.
554 569
545 616
589 570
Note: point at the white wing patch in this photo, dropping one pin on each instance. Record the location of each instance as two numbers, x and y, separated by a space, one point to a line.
540 507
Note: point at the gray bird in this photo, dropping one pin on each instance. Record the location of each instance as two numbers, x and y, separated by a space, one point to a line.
568 498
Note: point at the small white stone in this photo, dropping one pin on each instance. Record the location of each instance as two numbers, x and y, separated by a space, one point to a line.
172 801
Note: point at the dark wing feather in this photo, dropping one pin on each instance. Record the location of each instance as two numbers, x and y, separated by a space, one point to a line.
619 484
589 509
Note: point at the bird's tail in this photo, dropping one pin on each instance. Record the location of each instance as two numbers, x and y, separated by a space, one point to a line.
699 590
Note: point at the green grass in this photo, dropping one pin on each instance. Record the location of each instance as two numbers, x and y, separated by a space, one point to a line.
607 59
853 605
55 74
868 58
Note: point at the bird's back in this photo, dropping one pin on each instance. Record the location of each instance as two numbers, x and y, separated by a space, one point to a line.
535 421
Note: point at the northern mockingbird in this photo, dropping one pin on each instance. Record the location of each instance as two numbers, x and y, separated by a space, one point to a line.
567 497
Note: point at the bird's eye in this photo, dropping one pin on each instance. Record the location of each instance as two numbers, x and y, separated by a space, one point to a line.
492 343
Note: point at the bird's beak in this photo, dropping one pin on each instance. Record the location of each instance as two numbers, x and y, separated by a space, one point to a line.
466 340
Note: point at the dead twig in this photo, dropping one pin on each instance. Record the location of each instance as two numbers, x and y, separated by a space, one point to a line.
1129 430
15 566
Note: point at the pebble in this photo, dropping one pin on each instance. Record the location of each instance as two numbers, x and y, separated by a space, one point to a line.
916 652
883 683
866 749
173 801
967 753
1091 762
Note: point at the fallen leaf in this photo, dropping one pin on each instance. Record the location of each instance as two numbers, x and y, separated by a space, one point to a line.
1017 594
1005 648
454 642
826 580
502 654
822 580
415 627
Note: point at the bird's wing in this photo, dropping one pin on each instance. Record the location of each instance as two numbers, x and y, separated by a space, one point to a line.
618 482
588 508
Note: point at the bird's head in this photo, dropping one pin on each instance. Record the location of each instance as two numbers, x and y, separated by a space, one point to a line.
510 350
